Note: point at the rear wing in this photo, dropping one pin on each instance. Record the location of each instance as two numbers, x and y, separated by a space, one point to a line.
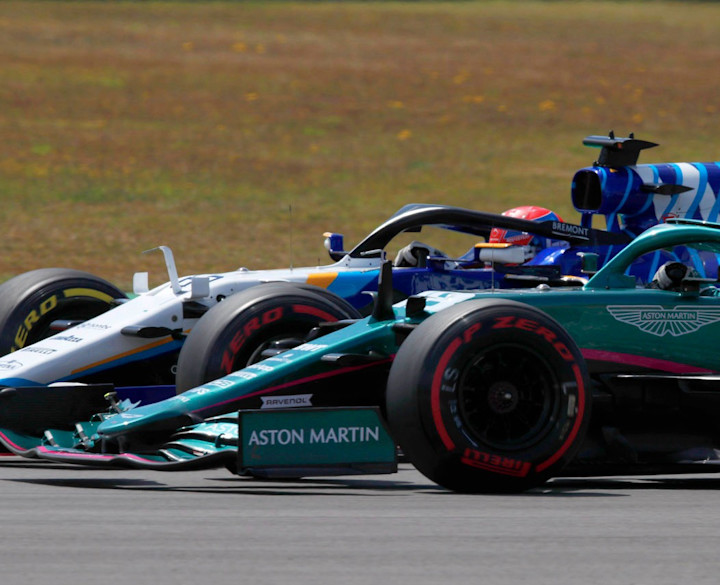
617 152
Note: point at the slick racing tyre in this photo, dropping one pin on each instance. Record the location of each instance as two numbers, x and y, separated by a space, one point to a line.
488 396
30 302
235 332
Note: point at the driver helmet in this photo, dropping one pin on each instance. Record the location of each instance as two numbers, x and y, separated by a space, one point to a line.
670 276
531 212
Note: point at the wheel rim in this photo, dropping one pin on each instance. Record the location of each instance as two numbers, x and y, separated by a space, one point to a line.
507 397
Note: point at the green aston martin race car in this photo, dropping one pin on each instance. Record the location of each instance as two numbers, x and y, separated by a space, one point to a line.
483 392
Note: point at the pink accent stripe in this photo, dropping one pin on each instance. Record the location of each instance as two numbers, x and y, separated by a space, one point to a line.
297 382
642 361
94 456
99 457
11 444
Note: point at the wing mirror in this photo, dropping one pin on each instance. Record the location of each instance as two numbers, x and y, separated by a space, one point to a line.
335 246
589 262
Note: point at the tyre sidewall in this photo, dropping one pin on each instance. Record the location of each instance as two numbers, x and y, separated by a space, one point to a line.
439 440
31 301
229 336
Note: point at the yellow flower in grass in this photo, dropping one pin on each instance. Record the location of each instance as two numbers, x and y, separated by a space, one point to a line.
188 46
404 134
38 171
461 78
546 106
251 96
239 47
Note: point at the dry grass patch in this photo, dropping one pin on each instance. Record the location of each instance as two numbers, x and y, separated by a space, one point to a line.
197 125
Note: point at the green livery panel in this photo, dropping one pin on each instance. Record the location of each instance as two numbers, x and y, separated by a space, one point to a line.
323 441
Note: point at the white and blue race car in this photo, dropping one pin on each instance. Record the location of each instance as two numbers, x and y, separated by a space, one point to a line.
55 326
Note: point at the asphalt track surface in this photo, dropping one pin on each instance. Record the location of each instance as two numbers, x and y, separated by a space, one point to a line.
71 525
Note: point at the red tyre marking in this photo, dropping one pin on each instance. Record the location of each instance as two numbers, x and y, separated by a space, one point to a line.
496 463
227 363
241 335
525 324
306 310
470 331
435 394
512 322
503 322
576 427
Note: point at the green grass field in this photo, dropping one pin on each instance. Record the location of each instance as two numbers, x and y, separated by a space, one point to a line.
237 133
